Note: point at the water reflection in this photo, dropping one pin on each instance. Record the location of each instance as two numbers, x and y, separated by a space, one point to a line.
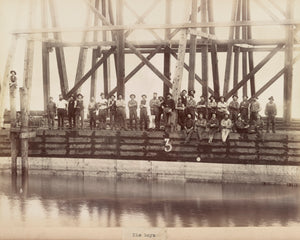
53 201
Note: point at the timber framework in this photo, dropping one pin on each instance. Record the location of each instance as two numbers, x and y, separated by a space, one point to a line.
195 37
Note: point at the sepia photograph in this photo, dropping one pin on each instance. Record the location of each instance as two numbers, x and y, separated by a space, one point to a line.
149 119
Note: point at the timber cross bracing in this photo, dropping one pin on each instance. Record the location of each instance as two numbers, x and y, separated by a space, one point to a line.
202 39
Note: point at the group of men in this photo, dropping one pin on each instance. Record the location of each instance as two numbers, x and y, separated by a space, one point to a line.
188 114
212 116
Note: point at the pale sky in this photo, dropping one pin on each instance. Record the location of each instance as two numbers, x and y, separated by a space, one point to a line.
71 13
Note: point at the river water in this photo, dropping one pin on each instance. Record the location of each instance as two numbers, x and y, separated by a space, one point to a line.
56 201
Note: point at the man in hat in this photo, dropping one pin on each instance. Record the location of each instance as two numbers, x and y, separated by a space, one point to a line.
184 97
61 111
51 110
226 125
222 108
79 109
213 127
160 112
234 108
180 113
244 109
13 79
102 111
211 107
242 127
254 109
112 111
143 113
92 112
191 105
168 107
201 107
154 109
271 112
71 112
121 113
132 105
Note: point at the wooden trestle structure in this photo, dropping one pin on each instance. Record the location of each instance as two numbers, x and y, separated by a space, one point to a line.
195 37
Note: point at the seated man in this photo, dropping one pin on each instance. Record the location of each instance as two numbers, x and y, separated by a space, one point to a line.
259 127
213 126
226 126
242 127
180 113
189 128
200 126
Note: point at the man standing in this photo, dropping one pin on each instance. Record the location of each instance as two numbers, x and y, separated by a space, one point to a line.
71 112
271 112
254 109
92 113
201 107
79 109
234 107
244 109
112 111
132 105
154 109
226 126
168 107
61 111
121 114
102 114
191 105
222 108
143 114
51 109
180 113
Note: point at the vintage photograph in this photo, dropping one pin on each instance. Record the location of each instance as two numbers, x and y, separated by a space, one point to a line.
149 119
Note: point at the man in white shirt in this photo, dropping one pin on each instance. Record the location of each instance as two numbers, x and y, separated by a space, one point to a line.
61 111
121 114
102 113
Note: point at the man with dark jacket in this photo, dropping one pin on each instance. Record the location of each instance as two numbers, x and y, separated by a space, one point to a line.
168 107
72 112
271 112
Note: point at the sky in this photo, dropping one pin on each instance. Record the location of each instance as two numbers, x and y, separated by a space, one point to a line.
72 13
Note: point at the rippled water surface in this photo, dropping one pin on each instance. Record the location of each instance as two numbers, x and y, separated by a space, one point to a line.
55 201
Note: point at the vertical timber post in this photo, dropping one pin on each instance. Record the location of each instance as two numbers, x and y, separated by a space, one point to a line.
237 48
192 56
204 51
288 75
167 55
250 52
214 56
24 129
244 54
120 50
94 54
106 63
45 57
13 124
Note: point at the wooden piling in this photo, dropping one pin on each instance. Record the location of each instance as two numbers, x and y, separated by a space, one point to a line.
244 54
204 51
13 125
167 55
24 129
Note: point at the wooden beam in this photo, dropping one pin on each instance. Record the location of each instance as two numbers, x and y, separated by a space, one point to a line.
288 75
198 79
244 54
6 78
254 71
230 48
167 55
95 53
13 124
136 69
214 50
192 55
274 3
204 54
60 56
149 64
273 79
45 56
106 63
236 48
83 51
90 72
161 26
250 52
140 19
120 50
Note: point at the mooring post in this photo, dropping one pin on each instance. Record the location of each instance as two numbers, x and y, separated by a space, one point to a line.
24 129
13 124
